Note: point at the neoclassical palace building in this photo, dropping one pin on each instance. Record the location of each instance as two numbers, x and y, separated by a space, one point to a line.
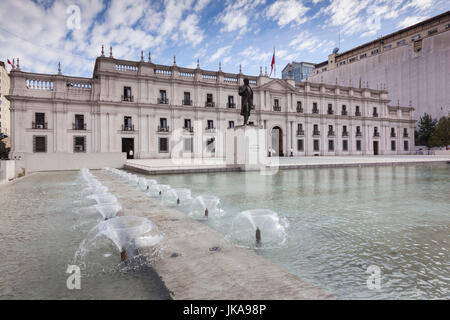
160 111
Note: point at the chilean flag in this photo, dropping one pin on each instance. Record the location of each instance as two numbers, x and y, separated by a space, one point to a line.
11 64
272 64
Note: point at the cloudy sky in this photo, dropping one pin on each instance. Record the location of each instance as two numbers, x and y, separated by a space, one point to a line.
43 32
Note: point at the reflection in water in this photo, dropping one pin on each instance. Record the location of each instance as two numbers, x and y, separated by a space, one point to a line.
343 220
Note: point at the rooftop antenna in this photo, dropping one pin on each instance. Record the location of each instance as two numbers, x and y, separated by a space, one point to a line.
339 42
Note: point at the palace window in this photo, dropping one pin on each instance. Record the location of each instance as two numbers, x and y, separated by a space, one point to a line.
163 145
316 145
330 130
393 132
299 107
345 145
163 127
127 125
375 113
402 42
163 97
230 124
210 124
187 99
405 132
300 131
344 110
187 125
209 100
406 145
331 145
39 143
39 121
344 131
316 131
330 108
127 94
393 145
79 122
231 103
358 145
300 145
357 112
276 105
79 144
432 31
315 108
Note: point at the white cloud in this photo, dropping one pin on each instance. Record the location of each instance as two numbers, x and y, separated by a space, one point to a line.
255 55
201 4
420 4
219 53
190 30
236 15
305 41
287 11
409 21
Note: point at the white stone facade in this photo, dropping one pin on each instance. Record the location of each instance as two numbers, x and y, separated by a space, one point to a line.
105 100
4 103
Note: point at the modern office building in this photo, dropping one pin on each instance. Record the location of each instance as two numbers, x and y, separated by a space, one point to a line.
297 70
4 104
412 64
161 111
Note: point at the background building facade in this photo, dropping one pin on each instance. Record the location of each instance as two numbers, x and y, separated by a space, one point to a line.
4 103
297 70
162 111
411 64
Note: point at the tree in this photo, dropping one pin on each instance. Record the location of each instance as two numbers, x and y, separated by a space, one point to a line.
427 125
3 150
441 135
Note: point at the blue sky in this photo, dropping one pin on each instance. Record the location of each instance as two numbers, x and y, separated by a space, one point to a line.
43 32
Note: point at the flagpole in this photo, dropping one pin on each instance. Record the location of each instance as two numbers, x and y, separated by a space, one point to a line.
275 64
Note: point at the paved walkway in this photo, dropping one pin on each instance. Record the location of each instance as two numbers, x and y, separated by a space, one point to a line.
160 166
191 269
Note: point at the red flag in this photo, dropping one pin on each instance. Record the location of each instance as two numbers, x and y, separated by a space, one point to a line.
11 64
272 63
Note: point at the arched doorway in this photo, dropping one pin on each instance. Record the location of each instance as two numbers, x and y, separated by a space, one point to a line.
277 141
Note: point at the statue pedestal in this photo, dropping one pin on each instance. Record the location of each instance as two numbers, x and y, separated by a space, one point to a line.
246 147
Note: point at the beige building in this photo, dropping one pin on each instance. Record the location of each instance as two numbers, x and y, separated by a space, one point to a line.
160 111
412 64
4 103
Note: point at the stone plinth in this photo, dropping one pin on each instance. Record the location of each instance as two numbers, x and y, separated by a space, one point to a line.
246 147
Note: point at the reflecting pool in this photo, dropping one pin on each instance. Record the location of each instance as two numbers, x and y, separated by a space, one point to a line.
341 221
43 220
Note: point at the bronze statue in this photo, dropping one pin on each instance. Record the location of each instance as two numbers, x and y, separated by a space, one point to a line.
247 100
